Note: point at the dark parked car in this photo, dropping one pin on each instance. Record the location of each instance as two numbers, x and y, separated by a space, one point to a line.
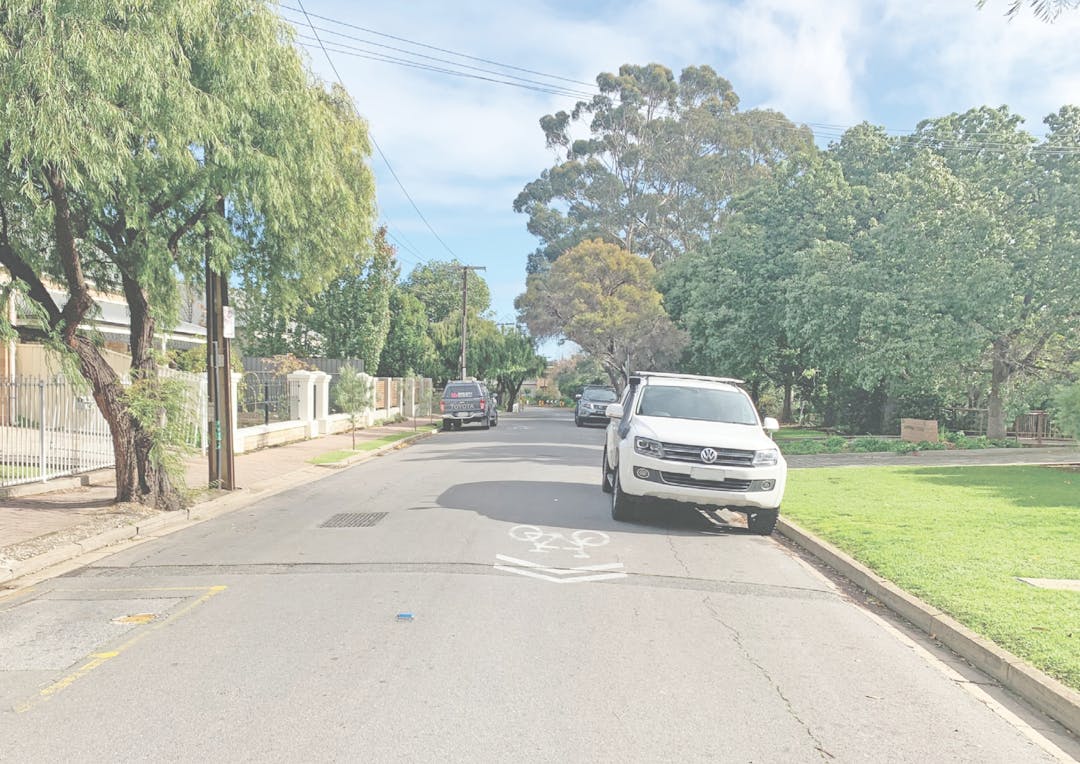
467 402
592 405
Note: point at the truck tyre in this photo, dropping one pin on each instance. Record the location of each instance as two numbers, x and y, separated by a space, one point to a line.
624 507
607 475
762 521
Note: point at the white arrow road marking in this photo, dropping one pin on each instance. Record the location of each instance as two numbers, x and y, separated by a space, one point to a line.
559 575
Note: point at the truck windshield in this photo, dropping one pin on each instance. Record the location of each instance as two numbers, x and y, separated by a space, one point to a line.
601 395
700 403
462 391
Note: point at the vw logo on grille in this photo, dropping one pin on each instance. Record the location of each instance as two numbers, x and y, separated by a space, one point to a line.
708 455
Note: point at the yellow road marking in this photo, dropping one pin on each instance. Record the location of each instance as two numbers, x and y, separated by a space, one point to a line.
99 658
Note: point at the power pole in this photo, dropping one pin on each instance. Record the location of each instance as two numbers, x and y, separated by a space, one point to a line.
465 309
219 427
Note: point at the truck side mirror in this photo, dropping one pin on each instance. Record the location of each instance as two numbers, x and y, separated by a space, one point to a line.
614 411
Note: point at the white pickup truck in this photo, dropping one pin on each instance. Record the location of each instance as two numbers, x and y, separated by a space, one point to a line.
696 440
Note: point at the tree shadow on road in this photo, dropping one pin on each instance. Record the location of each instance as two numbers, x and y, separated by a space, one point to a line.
574 506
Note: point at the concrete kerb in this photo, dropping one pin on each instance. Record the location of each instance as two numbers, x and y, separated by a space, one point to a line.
164 524
1043 692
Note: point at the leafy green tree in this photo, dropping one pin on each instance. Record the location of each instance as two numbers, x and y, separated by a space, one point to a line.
580 370
517 361
604 299
129 146
1020 286
353 395
734 297
350 318
1047 10
437 285
1067 409
409 347
352 315
662 160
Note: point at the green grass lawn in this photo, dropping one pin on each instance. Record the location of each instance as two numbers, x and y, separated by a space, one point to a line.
957 537
368 445
18 471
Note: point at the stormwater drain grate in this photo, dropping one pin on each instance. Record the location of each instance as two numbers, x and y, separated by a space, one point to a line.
354 520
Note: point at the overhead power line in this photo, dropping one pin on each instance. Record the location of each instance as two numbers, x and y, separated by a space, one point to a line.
450 67
347 50
438 49
378 148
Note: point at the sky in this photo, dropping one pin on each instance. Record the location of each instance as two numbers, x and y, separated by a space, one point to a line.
453 152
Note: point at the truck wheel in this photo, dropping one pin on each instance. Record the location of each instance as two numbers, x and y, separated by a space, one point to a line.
607 476
485 423
447 425
762 521
623 506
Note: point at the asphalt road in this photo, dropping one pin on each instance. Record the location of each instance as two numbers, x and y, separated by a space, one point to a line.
495 612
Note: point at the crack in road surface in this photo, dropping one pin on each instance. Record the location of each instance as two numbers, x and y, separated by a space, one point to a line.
819 746
675 554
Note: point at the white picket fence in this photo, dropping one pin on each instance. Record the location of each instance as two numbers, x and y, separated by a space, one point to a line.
51 427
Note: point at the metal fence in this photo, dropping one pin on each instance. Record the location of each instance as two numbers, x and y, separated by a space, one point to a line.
196 403
262 398
49 428
1033 425
265 396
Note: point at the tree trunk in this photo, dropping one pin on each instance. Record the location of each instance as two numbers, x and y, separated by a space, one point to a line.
155 485
107 390
789 390
154 481
109 396
889 415
999 375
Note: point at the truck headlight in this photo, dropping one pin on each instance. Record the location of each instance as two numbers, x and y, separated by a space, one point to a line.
649 447
766 458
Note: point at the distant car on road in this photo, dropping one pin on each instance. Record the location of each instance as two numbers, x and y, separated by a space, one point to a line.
592 405
468 402
696 440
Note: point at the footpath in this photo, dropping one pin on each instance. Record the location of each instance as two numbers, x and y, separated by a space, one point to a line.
50 523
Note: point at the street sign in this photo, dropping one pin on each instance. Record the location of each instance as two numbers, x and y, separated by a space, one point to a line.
229 315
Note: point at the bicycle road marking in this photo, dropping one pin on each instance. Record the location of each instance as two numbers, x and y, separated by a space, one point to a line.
544 541
547 541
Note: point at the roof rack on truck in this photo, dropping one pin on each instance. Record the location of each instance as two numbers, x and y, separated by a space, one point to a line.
668 375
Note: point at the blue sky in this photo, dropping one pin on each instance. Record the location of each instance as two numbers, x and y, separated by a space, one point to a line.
464 148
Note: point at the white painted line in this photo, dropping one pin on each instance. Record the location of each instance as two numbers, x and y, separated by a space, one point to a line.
575 580
559 571
972 689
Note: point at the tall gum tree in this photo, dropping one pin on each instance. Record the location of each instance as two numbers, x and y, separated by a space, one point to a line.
660 162
128 128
